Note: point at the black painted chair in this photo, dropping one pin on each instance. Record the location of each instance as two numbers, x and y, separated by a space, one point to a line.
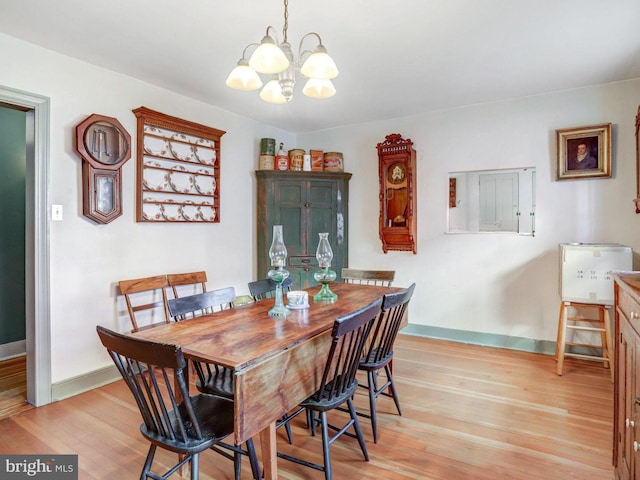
379 351
266 288
339 383
192 306
173 420
212 379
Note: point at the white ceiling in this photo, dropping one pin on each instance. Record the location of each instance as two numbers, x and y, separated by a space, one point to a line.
395 58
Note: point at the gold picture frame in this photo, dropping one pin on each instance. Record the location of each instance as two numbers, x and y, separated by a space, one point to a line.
584 152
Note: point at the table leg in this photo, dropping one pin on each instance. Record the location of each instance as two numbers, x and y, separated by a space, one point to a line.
269 452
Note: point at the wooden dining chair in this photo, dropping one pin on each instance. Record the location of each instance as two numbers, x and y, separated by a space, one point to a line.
266 288
172 418
199 304
339 383
211 379
378 353
368 277
187 283
146 297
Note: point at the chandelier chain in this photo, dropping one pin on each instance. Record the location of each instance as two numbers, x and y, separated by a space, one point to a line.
286 20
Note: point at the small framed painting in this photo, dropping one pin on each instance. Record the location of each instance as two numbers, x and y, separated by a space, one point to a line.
584 152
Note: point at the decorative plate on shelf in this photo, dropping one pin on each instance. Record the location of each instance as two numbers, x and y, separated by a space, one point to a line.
180 182
151 212
205 151
204 184
181 151
190 212
152 164
171 212
158 132
155 146
207 214
155 180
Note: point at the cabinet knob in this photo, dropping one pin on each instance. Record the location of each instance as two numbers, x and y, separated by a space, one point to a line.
636 446
629 423
307 205
633 314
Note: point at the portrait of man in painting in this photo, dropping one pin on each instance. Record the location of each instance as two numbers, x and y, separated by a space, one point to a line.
582 153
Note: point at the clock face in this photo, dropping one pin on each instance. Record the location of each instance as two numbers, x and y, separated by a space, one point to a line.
105 143
396 173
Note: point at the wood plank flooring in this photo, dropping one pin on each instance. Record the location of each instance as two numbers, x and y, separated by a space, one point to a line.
13 386
468 412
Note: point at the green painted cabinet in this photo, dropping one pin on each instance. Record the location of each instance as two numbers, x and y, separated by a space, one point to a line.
305 204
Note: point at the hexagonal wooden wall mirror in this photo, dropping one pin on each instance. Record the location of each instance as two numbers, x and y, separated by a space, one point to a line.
104 146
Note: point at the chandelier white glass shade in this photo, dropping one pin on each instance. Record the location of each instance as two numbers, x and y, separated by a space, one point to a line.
276 59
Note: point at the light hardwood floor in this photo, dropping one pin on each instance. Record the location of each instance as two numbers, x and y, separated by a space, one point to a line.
469 412
13 386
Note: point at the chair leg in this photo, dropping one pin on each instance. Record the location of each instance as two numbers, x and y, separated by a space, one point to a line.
311 420
392 387
287 428
356 426
603 336
148 462
325 446
372 405
237 464
195 466
609 341
253 460
562 338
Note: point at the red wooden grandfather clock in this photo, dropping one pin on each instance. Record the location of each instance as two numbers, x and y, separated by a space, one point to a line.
397 175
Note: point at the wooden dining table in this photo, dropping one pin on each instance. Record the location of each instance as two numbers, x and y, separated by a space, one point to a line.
277 362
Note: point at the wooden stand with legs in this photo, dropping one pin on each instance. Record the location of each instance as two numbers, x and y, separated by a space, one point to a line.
602 324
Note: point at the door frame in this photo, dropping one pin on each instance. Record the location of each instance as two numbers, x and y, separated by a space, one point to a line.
37 275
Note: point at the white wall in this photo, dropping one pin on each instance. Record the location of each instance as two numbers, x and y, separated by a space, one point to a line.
499 284
87 259
494 283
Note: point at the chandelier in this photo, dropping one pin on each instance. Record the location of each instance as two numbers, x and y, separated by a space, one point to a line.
277 60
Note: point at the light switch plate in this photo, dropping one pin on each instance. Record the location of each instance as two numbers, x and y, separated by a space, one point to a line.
56 213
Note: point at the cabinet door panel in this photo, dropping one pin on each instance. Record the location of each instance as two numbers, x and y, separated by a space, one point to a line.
625 408
633 386
289 193
292 220
322 193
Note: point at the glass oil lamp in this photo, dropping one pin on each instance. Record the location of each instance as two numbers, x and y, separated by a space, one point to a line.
324 255
278 255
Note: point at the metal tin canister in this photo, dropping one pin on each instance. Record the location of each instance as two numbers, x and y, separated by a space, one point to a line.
268 146
282 162
267 162
296 159
333 162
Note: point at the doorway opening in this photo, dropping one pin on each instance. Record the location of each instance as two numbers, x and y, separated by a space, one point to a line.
37 296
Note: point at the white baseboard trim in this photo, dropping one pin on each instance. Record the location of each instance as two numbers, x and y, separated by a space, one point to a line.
84 383
13 349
